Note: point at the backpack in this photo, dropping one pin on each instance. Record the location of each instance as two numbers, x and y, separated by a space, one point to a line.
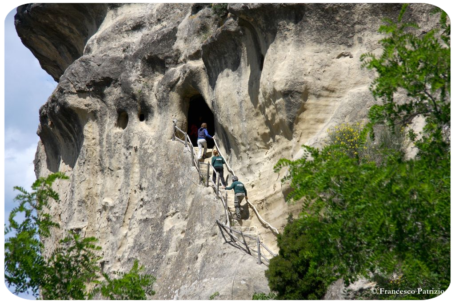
201 133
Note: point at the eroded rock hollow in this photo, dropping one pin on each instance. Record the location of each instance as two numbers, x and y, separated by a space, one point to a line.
274 77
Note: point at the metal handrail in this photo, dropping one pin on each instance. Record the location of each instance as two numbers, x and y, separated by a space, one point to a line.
231 232
217 191
249 203
196 164
219 151
261 219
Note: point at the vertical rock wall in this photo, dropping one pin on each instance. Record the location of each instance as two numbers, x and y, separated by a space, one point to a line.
276 76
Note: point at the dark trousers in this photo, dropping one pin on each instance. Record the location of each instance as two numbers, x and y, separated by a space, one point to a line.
220 171
237 200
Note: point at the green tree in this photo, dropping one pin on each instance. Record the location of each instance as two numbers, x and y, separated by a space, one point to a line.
418 65
71 271
292 274
128 286
381 217
362 219
24 263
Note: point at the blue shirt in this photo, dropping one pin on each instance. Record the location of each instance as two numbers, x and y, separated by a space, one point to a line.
206 133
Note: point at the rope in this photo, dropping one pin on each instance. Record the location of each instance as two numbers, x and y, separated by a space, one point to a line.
274 230
219 151
261 219
216 188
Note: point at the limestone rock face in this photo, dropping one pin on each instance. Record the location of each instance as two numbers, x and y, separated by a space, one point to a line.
275 76
57 33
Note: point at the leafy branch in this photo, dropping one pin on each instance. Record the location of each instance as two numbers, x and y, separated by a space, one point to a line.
71 272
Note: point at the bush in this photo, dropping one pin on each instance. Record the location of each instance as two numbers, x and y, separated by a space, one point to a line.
368 212
127 286
263 296
367 143
214 295
72 268
220 9
362 219
383 141
293 274
347 136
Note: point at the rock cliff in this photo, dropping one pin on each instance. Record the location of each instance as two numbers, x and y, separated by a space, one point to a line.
274 76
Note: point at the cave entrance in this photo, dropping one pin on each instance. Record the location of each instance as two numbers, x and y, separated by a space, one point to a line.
199 113
122 119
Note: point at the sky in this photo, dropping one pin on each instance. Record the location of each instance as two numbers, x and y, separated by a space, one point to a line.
27 87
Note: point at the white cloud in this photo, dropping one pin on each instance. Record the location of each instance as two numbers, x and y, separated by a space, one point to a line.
19 139
27 85
19 171
27 88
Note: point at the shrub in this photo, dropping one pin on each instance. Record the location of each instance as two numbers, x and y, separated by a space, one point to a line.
347 136
367 143
263 296
374 214
72 268
362 219
293 274
220 9
214 295
381 141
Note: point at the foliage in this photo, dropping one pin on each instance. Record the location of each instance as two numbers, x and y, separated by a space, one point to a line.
383 140
348 136
263 296
70 268
374 214
214 295
419 65
367 143
129 286
364 219
220 8
293 275
71 271
24 264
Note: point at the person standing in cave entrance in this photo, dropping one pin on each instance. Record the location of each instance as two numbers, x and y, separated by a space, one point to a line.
202 136
240 193
217 163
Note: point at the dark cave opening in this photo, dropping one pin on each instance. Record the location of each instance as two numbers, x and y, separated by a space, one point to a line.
122 119
198 113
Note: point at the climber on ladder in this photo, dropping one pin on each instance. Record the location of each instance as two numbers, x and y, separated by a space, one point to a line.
240 193
217 163
202 134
